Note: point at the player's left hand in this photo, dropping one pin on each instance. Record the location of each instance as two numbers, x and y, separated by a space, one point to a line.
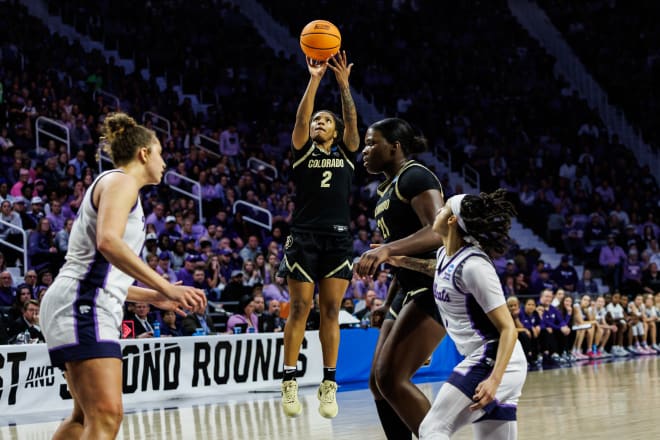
338 64
370 260
484 393
169 305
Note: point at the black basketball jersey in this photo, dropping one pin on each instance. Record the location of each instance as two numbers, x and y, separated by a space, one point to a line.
323 186
397 219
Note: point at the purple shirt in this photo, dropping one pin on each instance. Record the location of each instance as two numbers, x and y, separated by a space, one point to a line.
529 321
185 277
241 319
56 221
159 224
551 318
632 271
271 291
610 255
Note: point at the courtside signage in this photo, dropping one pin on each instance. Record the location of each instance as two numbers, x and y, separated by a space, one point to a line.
158 369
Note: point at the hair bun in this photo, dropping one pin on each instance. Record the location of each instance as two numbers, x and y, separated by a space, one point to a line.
115 124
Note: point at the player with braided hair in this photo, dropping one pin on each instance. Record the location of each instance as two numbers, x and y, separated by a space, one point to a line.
484 388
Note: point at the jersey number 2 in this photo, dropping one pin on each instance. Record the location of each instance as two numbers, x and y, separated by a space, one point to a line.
325 182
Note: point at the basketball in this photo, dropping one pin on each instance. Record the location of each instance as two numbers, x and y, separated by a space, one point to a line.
320 40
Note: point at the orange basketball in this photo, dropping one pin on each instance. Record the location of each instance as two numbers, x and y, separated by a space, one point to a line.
320 40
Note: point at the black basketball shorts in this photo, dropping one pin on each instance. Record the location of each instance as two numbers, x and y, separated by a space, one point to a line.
313 256
422 296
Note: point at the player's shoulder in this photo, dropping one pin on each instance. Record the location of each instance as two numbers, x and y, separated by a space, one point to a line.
413 168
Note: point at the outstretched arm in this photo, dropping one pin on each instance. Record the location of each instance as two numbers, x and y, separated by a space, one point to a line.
342 69
300 133
427 267
426 205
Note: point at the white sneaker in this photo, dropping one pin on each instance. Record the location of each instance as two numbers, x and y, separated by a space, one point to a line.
327 396
290 403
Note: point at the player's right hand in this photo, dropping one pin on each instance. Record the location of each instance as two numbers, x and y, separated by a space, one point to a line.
316 68
189 297
371 259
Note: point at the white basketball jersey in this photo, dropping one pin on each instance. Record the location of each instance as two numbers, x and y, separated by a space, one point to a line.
466 288
83 260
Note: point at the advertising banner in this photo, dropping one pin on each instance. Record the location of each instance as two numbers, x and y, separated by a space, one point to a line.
155 370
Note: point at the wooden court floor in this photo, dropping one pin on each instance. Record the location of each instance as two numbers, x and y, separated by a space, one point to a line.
609 400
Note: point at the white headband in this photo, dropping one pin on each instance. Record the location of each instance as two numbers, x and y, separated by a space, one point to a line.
455 205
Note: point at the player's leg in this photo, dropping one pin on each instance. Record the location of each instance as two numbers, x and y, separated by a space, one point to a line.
449 413
413 338
382 337
97 384
72 426
577 348
331 292
496 430
395 428
301 294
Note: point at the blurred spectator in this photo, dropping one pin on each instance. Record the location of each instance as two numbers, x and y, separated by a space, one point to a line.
362 243
631 282
195 321
30 280
9 234
36 209
565 275
348 305
531 321
143 329
7 290
55 216
381 285
157 218
199 280
251 275
150 245
651 279
616 313
185 274
277 290
258 302
44 280
41 246
62 236
245 318
23 295
271 321
554 333
544 281
611 260
365 303
29 321
587 284
236 288
250 251
164 268
170 326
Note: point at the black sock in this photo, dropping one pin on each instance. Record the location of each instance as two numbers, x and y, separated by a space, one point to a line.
329 374
393 426
289 374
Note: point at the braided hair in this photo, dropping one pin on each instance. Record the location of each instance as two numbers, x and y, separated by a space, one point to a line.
488 218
